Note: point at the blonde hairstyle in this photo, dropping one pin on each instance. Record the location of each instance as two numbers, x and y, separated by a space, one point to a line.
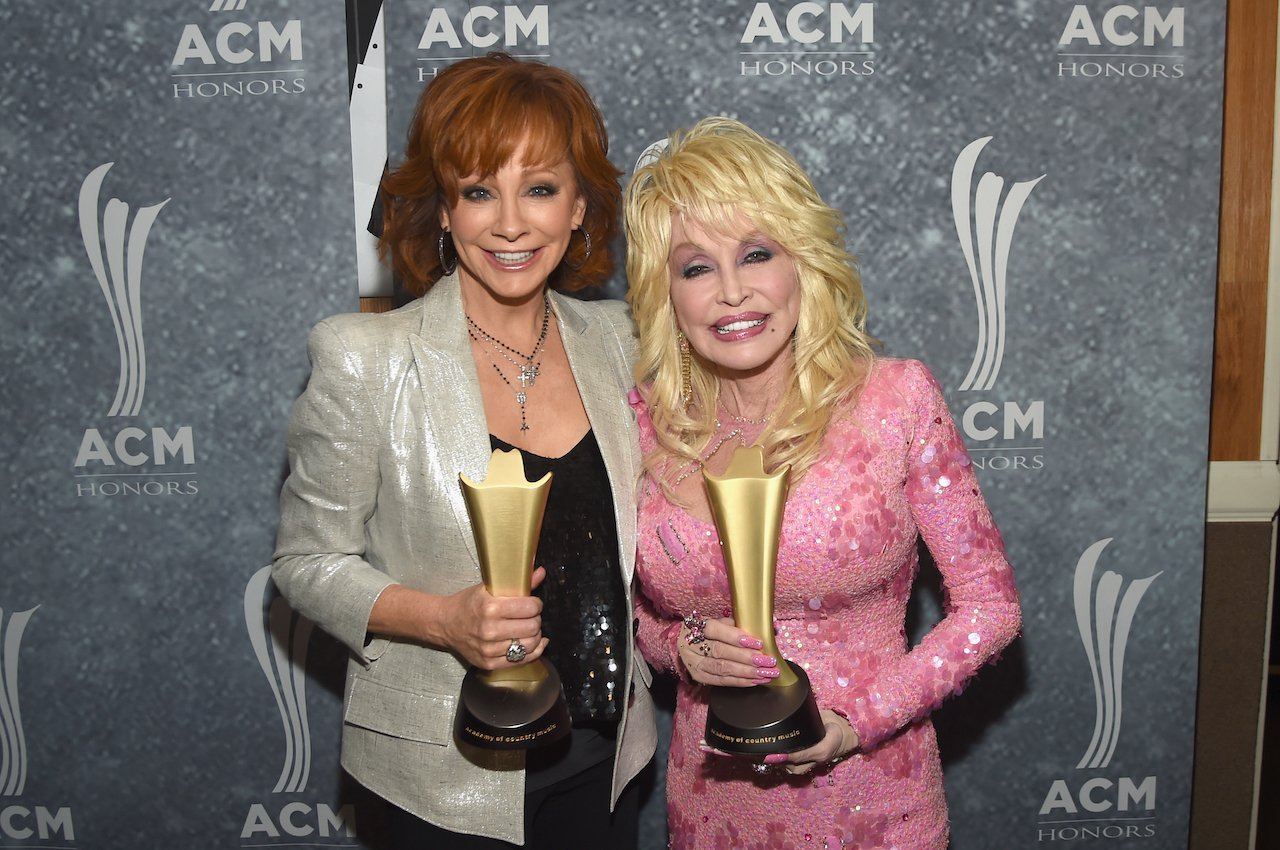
715 174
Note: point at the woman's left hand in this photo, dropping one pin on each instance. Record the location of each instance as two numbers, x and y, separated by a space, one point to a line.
839 741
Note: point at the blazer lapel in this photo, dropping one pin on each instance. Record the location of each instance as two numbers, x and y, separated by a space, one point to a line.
589 348
456 437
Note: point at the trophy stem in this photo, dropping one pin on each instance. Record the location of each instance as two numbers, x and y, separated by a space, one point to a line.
747 507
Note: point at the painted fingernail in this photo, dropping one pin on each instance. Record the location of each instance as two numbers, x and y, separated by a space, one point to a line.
705 749
768 674
764 661
750 642
775 758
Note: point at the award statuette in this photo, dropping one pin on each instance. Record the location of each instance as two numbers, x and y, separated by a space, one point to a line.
523 705
781 716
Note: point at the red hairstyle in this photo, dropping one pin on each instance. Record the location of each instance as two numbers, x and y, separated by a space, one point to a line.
472 119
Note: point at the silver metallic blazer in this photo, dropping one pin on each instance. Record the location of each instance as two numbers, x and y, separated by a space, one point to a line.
391 415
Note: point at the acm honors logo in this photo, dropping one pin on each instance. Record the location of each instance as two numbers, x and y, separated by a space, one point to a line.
1102 806
523 30
1120 40
280 638
234 52
23 822
1004 434
808 40
127 458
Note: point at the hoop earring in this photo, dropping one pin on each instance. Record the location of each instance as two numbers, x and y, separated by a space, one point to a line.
686 369
445 267
577 267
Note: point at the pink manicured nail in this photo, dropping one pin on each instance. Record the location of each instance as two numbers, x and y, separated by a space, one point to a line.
764 661
775 758
750 642
768 674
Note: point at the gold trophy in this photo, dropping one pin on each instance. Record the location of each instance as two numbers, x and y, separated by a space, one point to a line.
521 706
781 716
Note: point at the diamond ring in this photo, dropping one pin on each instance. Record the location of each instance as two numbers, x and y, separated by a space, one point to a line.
516 652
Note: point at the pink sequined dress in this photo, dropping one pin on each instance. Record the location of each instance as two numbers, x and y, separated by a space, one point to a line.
893 466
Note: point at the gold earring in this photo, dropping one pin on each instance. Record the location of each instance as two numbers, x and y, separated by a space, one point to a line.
686 369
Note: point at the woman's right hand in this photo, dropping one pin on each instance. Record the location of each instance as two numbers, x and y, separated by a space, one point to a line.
472 623
480 627
726 656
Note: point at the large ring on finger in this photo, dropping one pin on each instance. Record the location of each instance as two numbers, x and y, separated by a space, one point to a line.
516 652
697 629
762 769
704 648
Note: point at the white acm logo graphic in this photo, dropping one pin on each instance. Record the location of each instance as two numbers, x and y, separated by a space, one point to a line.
21 820
985 219
1009 433
13 756
1101 806
115 242
281 638
1104 616
284 666
115 247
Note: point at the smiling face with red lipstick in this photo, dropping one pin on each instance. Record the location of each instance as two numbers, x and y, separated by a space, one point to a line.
736 297
511 228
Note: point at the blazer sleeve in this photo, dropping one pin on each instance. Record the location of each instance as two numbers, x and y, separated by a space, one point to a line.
982 609
330 494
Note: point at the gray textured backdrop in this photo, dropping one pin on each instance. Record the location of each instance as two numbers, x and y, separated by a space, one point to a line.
144 717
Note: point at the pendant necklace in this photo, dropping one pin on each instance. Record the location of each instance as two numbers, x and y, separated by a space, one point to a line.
527 366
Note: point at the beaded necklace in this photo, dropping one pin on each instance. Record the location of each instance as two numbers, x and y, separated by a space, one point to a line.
528 365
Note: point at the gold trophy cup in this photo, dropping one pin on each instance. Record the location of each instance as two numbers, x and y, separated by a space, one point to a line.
521 706
781 716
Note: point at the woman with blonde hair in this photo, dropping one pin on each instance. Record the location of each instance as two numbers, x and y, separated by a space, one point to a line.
752 327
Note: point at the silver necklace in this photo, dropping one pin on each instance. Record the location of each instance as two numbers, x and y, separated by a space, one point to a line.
697 465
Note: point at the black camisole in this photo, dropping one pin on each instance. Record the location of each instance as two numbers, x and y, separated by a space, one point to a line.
584 606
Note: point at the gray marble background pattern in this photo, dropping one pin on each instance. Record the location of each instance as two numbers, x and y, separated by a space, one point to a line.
143 708
144 711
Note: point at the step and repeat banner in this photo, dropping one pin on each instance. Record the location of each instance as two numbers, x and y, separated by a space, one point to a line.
1031 189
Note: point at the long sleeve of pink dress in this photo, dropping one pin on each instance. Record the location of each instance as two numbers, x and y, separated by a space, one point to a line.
893 469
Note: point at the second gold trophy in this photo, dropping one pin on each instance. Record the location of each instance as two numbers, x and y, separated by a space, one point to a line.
781 716
521 706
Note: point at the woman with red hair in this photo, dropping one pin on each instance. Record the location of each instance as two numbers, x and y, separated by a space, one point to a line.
506 198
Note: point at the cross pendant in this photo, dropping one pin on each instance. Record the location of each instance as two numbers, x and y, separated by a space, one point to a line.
528 374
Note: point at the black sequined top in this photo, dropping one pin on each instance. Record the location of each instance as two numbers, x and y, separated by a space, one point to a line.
584 603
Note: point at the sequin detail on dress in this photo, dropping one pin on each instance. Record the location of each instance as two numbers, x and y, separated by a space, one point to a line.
892 468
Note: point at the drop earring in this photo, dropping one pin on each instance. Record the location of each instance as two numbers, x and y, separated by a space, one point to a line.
686 369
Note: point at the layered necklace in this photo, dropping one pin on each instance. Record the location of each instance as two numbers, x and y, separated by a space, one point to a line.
527 365
738 432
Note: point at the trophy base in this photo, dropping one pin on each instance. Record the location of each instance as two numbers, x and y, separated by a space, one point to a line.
764 719
511 712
